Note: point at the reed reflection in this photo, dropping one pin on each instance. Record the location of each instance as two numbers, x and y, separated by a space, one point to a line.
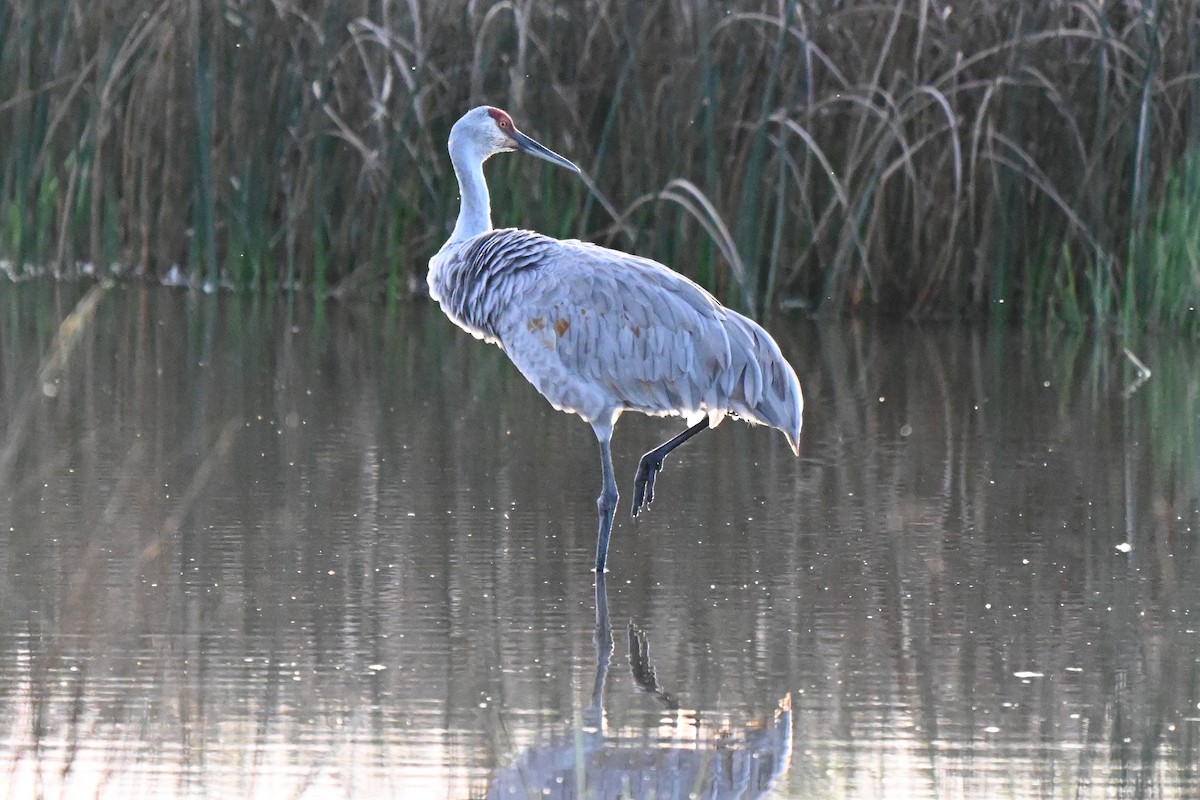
590 760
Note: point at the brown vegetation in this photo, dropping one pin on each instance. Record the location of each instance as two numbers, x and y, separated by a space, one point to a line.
918 156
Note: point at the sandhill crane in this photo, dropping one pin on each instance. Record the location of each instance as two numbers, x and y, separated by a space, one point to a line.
598 331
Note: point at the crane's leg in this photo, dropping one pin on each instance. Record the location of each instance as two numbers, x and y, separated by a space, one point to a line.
652 462
606 503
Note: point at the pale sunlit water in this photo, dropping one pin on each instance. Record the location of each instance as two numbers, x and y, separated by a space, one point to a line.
251 549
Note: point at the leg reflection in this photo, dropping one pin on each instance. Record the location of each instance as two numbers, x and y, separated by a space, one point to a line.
593 715
644 674
589 760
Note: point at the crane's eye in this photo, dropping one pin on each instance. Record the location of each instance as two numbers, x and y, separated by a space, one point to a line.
503 121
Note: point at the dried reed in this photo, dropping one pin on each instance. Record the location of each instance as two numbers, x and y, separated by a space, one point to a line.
924 158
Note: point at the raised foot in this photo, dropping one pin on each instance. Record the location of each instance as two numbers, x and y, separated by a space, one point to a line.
643 482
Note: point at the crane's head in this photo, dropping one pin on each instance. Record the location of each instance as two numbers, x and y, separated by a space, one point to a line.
485 131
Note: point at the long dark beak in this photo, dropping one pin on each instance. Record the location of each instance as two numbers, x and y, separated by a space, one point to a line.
527 145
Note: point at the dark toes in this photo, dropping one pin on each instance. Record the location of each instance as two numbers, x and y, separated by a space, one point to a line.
643 485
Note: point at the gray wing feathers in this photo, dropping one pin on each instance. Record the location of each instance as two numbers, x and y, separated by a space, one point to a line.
769 384
598 331
622 323
477 285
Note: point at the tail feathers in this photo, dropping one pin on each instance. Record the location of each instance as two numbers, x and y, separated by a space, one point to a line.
768 391
785 400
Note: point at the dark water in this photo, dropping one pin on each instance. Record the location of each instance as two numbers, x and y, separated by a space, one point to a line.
257 550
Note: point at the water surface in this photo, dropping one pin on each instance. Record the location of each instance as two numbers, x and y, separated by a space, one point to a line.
253 548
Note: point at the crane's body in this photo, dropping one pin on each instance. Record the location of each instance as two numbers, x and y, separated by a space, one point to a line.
597 331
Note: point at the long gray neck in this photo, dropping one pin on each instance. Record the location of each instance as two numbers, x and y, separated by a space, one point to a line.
475 213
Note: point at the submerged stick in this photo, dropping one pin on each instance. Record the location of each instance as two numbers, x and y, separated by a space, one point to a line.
69 330
50 373
1143 373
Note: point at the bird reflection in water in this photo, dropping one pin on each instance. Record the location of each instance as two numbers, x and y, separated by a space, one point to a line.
587 761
